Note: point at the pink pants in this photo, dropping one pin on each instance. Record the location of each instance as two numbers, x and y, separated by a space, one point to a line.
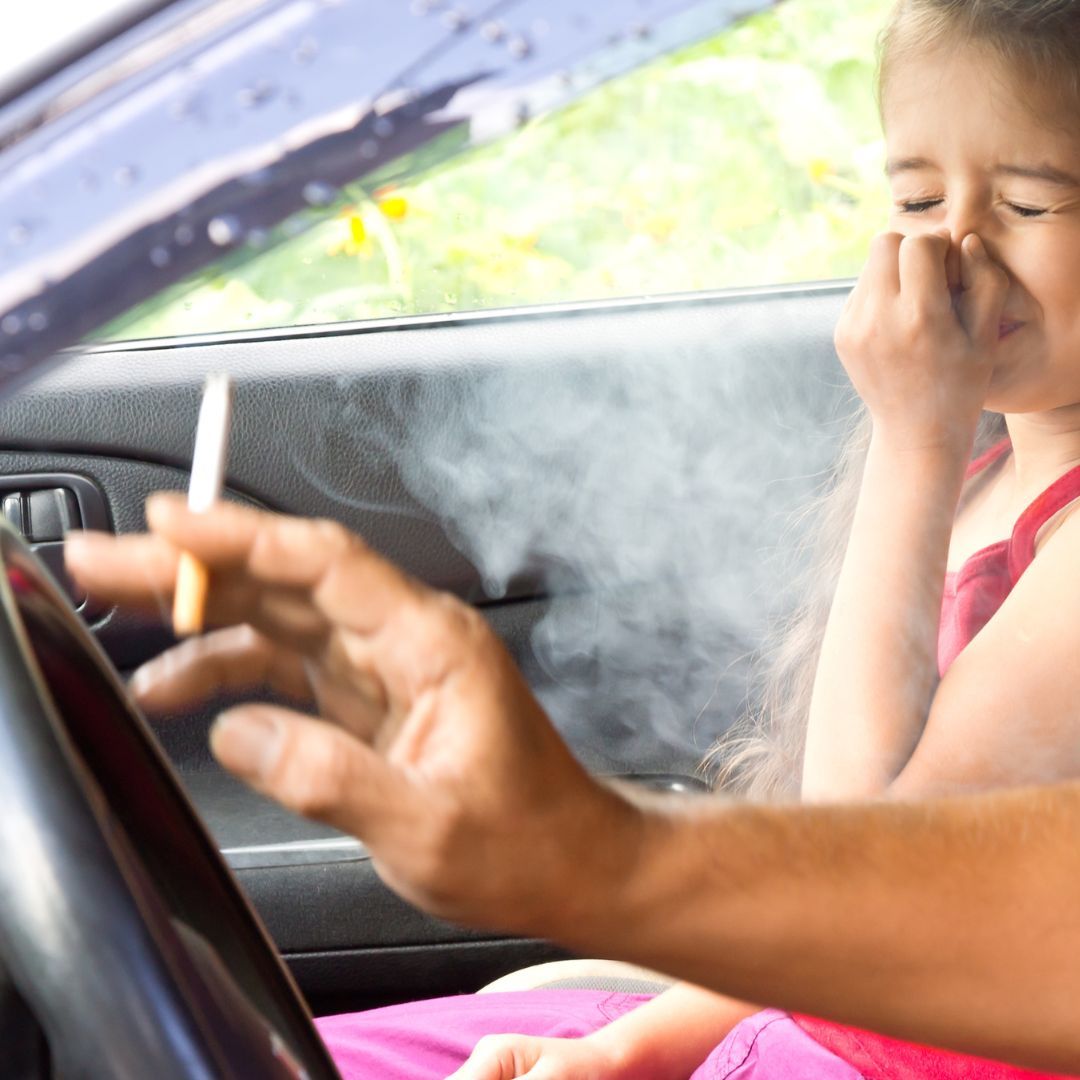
427 1040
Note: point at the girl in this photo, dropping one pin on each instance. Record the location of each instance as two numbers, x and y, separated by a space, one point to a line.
946 662
970 302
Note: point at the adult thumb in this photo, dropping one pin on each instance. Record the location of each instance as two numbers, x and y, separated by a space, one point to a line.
310 766
985 284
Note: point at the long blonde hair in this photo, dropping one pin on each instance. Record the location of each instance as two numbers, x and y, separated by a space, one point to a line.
1037 41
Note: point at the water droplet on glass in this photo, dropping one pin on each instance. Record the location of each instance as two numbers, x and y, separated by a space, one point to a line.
257 238
316 193
641 31
38 321
257 178
11 324
251 97
160 256
422 7
126 175
184 235
184 107
493 32
369 149
518 47
20 233
224 230
384 127
455 20
306 51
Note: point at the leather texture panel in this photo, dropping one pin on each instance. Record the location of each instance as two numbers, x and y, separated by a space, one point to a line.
320 416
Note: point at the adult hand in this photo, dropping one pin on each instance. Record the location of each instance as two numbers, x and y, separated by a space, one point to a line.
506 1057
921 360
427 744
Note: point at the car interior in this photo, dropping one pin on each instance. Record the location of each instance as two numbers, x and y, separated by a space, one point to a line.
611 479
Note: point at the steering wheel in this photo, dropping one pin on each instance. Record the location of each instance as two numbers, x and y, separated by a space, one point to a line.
121 927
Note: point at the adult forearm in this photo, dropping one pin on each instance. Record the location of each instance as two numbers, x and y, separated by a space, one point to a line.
878 663
953 923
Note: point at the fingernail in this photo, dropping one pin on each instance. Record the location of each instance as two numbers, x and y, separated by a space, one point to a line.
78 544
160 504
141 681
74 549
247 741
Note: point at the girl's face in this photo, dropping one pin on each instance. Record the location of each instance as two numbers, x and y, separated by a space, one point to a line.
966 155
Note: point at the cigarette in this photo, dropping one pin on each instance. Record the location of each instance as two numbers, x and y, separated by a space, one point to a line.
207 479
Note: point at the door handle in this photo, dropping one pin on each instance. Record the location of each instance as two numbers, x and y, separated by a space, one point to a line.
43 507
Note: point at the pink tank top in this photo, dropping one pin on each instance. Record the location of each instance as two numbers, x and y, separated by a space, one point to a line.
972 595
976 591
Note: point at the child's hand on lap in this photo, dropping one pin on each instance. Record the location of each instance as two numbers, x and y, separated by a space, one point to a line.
506 1057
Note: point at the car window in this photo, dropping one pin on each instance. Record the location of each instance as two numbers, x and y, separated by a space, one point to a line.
749 156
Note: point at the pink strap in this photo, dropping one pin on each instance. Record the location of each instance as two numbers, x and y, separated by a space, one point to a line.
987 458
1055 498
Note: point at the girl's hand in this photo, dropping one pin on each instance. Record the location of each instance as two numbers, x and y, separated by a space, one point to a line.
504 1057
428 745
921 361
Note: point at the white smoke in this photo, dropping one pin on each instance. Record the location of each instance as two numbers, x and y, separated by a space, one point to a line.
652 493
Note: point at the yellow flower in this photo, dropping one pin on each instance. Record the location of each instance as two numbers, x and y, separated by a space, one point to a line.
394 207
818 168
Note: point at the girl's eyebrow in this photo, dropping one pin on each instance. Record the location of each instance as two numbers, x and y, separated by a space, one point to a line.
894 166
1046 172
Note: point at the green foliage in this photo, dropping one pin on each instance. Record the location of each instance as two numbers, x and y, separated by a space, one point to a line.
751 158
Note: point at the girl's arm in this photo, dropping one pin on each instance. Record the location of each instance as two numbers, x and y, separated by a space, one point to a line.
878 667
669 1036
923 369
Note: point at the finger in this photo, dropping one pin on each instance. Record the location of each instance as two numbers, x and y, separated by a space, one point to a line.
481 1067
350 581
986 285
229 535
310 766
236 659
882 270
139 572
136 571
493 1058
923 273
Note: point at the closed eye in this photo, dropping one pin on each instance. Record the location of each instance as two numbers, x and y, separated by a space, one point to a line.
1025 211
919 207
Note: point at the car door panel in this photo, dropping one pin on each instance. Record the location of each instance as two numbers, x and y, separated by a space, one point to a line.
342 423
